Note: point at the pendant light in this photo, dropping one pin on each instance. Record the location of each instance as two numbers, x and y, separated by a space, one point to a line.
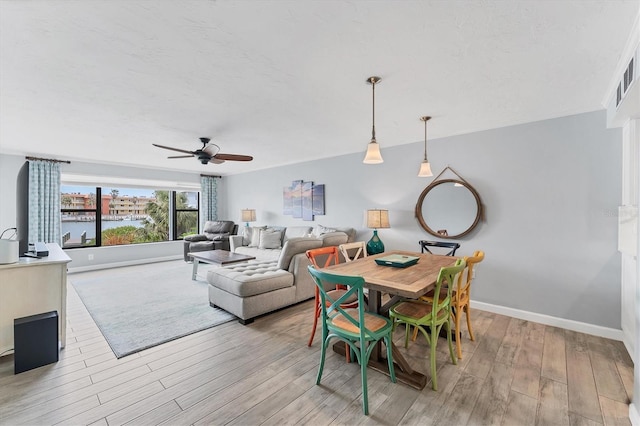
373 149
425 167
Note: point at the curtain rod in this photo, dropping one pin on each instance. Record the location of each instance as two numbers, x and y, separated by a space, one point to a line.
48 159
213 176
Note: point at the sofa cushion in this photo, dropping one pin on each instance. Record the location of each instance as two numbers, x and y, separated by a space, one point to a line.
260 254
319 230
247 233
270 239
196 237
295 246
333 238
218 227
255 237
250 279
296 232
201 246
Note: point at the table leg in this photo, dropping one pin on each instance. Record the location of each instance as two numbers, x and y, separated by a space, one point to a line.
195 269
403 370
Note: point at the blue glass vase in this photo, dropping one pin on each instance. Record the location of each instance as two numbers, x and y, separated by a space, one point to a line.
375 245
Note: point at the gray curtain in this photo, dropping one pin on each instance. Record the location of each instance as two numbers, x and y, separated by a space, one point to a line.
44 201
209 191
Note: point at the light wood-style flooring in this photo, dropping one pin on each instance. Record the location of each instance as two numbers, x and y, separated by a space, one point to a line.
515 373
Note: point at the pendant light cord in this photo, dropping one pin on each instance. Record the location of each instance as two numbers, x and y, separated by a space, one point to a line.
373 119
425 140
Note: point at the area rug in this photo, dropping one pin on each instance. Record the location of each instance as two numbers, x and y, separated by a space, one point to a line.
138 307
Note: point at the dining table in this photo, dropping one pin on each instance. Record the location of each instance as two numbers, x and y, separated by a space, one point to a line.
399 283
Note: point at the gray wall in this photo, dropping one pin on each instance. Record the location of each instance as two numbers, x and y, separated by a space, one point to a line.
550 191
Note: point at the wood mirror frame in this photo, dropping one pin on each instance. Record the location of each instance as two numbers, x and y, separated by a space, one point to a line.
434 184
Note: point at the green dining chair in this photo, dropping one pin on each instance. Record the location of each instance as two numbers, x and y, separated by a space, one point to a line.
359 329
421 314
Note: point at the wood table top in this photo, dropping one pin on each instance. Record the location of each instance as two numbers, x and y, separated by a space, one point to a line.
412 281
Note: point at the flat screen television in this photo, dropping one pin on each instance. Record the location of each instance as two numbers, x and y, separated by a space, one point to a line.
22 209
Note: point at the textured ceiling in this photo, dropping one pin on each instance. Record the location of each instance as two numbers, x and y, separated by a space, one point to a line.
284 81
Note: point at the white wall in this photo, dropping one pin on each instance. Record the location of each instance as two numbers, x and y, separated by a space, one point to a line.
9 167
550 191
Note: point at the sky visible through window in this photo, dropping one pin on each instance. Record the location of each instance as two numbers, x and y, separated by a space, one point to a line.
192 196
124 192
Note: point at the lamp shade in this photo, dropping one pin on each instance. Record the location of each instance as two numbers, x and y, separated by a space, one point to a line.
373 155
425 169
248 215
377 219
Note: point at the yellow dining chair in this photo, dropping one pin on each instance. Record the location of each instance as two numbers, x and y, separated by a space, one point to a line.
421 314
360 330
353 251
460 299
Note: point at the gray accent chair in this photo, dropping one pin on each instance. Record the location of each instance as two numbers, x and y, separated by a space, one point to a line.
215 236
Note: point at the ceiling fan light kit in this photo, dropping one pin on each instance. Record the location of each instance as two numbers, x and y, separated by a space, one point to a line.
373 155
209 153
425 167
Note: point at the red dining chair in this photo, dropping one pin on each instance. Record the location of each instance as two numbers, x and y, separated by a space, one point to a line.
321 258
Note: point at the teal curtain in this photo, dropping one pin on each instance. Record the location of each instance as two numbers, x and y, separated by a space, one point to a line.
209 186
44 201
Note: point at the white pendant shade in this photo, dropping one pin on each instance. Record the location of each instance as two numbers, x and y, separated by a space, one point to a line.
373 155
425 169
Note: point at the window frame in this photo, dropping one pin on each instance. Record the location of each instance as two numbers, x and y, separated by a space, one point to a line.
98 222
175 210
173 215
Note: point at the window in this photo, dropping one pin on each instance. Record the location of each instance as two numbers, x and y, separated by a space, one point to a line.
80 216
186 213
125 215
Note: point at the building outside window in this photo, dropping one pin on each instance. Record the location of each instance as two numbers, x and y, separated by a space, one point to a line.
125 215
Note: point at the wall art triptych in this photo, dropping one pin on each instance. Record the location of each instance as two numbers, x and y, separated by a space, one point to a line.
303 200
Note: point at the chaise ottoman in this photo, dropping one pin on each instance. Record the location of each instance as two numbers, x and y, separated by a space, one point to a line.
250 289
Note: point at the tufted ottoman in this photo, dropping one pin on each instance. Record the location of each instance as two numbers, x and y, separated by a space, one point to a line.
250 289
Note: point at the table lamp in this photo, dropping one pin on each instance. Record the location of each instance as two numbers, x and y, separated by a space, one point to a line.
248 215
376 219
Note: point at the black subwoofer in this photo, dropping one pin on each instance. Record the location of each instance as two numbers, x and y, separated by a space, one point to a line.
35 340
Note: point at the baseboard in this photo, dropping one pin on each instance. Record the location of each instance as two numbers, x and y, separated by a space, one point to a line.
125 263
581 327
634 415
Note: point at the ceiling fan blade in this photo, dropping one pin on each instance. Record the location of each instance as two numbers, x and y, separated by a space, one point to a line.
233 157
181 156
216 161
172 149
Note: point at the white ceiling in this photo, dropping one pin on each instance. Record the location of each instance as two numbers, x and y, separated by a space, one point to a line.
284 81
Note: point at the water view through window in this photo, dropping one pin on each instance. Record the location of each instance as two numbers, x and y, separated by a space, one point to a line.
107 216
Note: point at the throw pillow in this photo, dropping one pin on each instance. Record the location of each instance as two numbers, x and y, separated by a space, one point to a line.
248 235
319 230
270 239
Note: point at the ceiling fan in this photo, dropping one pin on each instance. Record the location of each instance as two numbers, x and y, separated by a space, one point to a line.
209 153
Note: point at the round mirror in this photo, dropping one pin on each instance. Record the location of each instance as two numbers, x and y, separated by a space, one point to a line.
448 208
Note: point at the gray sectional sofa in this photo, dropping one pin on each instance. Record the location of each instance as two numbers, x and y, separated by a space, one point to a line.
278 277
